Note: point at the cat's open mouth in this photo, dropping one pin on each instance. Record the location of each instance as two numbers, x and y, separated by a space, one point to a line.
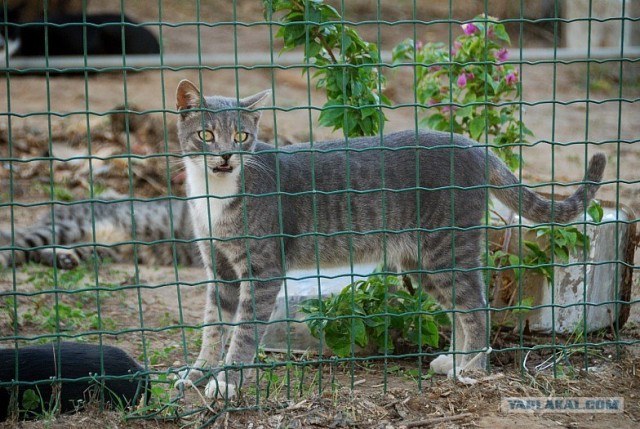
223 168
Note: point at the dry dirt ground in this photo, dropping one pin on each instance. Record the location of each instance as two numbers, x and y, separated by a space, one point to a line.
560 108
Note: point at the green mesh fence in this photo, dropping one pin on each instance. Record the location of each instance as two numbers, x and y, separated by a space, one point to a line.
96 245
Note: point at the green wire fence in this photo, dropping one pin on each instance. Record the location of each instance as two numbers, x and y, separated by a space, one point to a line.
88 148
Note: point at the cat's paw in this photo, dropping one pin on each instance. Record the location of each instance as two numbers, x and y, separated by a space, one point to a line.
443 364
465 376
189 377
67 260
220 389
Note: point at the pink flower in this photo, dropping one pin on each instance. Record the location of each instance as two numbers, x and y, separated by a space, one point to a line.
502 55
511 78
469 28
419 45
448 108
491 32
456 47
433 101
462 80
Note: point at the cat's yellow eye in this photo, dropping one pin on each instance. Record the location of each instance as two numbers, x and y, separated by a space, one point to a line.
206 135
240 137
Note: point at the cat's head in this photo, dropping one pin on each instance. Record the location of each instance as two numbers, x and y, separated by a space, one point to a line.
217 130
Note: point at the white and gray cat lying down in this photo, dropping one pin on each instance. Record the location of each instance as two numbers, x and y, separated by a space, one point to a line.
417 197
162 230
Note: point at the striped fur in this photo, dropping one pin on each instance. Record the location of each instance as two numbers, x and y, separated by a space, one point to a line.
74 233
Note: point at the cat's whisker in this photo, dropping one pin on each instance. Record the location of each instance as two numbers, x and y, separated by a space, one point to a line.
176 165
260 167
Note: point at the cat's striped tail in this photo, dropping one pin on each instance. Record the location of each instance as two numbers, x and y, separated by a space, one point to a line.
518 197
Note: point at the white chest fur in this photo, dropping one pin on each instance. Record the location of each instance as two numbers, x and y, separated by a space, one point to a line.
210 193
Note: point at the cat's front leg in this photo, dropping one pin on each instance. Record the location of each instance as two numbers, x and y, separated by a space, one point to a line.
221 304
256 303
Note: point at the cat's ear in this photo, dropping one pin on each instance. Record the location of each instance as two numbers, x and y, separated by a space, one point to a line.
187 96
254 101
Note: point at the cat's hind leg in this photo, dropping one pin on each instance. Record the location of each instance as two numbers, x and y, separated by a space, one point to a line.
453 278
444 363
467 305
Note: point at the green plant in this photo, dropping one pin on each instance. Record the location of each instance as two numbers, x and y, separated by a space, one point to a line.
76 307
161 355
537 258
559 242
413 374
42 279
34 404
595 211
372 310
346 64
274 383
8 309
469 88
58 191
162 402
31 400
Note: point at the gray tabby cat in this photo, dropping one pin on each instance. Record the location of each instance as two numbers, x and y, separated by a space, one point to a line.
416 197
75 228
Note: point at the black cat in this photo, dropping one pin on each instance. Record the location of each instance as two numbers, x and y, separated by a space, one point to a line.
105 34
40 363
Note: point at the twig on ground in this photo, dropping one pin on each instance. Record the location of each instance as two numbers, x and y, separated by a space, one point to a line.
434 420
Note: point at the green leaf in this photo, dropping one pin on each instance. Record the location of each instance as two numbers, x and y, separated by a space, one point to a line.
464 112
535 249
430 334
331 115
524 305
313 49
402 52
561 239
526 130
359 332
346 43
368 111
501 33
477 127
30 400
514 261
436 121
469 98
561 254
340 345
595 211
338 337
